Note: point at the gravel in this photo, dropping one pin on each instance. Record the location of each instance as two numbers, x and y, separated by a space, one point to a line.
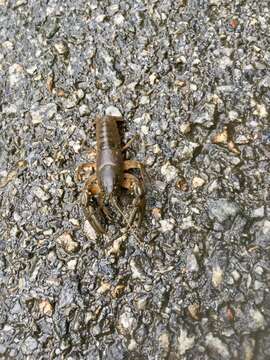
192 79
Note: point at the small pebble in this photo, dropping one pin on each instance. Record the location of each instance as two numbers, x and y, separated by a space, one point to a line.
16 75
127 323
259 270
79 94
45 307
69 103
67 242
164 341
167 225
241 139
197 182
89 231
222 209
118 19
31 70
41 113
257 319
262 234
112 9
169 171
194 311
258 213
156 149
141 302
104 288
236 276
113 111
192 263
152 78
261 111
71 264
41 194
184 342
217 276
132 345
258 285
221 137
61 48
187 223
185 128
115 249
100 18
217 346
233 115
182 184
145 129
144 100
156 213
29 345
137 272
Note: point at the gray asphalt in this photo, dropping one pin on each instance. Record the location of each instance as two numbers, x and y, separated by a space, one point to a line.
192 79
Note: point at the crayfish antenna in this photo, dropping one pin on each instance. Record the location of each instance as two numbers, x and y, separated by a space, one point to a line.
116 205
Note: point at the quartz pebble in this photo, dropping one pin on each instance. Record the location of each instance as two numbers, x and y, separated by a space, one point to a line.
217 276
67 242
197 182
41 113
41 194
184 341
169 171
113 111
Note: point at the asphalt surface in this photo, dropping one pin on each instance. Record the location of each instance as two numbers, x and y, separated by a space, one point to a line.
192 79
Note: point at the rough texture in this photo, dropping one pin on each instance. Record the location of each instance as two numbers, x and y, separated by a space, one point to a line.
192 79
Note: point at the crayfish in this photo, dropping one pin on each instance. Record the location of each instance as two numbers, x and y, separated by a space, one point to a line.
111 177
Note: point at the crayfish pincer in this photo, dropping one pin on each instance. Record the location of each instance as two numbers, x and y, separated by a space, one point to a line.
110 178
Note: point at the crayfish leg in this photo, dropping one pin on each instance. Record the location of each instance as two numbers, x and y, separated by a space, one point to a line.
82 169
91 217
132 184
90 189
134 164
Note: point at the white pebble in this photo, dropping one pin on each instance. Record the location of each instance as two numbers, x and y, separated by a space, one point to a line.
261 111
156 149
16 74
167 225
72 264
100 18
145 129
197 182
41 194
152 78
184 342
144 100
233 115
217 276
84 110
113 111
89 231
185 128
127 322
169 171
119 19
68 244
